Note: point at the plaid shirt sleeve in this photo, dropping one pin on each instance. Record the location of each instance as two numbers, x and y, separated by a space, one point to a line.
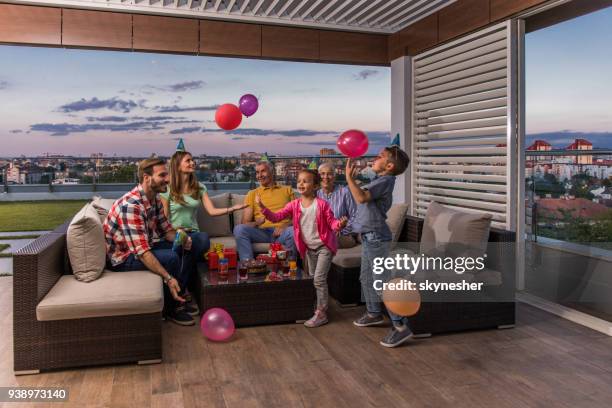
133 227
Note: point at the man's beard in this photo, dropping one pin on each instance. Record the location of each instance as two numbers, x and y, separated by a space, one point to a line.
158 188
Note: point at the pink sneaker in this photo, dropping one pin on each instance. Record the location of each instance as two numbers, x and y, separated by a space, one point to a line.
318 319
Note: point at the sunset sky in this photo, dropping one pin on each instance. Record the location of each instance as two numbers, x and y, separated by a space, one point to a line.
79 102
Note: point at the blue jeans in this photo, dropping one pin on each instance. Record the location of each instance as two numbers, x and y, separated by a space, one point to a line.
372 247
178 266
199 246
246 235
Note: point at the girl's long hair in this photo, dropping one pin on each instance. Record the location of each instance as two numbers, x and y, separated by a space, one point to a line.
176 180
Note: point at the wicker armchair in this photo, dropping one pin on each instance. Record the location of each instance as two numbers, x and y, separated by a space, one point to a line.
46 345
439 317
435 315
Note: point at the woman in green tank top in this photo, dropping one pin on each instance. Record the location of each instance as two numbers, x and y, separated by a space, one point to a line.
182 199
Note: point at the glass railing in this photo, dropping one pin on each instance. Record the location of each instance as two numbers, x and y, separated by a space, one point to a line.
569 196
568 254
239 179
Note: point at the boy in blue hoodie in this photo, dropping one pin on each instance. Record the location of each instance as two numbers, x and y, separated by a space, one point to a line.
373 201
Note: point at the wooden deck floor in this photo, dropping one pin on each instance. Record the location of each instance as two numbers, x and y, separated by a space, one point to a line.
545 361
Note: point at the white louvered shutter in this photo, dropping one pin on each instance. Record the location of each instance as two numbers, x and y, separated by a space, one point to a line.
464 125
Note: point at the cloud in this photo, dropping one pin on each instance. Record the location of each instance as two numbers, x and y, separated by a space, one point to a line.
16 131
377 139
365 74
4 84
175 108
161 118
107 119
94 103
64 129
185 130
169 119
179 87
317 143
272 132
185 86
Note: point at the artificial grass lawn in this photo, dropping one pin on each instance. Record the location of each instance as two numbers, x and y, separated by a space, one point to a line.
36 215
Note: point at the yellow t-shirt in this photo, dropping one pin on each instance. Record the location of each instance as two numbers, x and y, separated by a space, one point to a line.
275 198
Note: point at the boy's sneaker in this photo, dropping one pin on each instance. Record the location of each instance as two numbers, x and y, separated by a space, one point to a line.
318 319
369 320
180 317
396 337
190 309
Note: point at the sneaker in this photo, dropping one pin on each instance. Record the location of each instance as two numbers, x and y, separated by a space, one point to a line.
369 320
180 317
190 309
396 337
318 319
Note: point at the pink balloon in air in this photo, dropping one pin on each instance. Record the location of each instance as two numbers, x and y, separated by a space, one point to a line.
217 325
353 143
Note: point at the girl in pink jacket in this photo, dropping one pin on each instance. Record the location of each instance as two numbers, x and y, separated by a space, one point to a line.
314 231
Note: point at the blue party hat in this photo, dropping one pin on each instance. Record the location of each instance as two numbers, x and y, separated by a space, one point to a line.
180 147
395 141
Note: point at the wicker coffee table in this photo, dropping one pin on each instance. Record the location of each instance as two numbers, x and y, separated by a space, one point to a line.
254 301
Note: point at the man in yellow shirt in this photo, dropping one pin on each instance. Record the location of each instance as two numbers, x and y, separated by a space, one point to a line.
254 227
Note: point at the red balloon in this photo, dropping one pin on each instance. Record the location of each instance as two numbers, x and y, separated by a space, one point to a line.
228 116
353 143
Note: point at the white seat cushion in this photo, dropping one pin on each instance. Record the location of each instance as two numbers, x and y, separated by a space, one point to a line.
348 257
218 226
113 294
227 241
230 242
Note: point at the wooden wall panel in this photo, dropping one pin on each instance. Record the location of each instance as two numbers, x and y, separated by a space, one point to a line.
503 8
462 17
30 25
288 42
395 46
353 48
166 34
97 29
421 35
234 39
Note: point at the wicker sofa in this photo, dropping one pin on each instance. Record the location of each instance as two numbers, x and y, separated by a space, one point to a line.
56 324
67 335
435 315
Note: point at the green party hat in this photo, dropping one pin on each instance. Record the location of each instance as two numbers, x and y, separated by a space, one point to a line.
180 147
395 141
313 165
264 157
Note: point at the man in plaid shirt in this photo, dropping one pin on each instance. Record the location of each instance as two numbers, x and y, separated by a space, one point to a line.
139 237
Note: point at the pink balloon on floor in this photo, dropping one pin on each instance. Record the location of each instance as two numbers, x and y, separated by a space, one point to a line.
217 325
353 143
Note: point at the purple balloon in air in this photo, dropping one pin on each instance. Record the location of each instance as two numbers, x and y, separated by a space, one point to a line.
248 105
